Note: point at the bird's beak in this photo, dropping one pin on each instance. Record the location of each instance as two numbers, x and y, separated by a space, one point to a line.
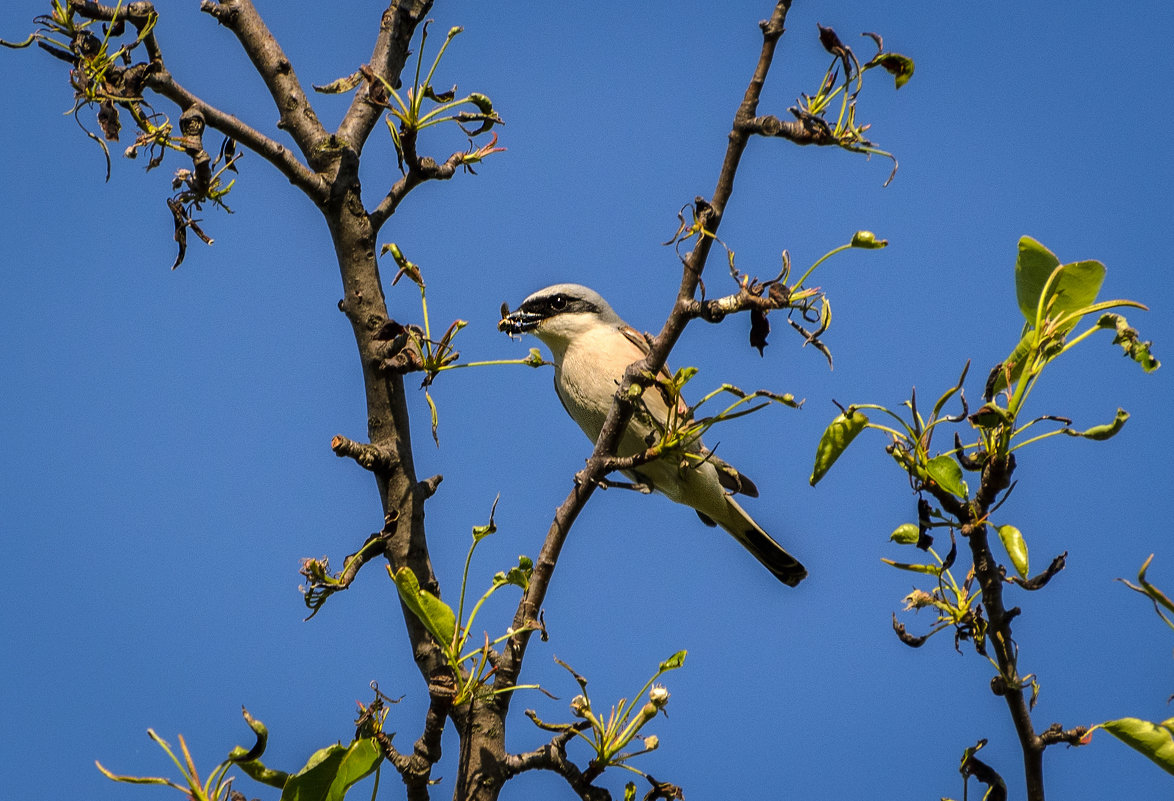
517 322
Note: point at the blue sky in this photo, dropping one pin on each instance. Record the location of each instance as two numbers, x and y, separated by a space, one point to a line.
167 459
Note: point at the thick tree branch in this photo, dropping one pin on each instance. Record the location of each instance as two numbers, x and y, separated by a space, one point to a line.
415 769
621 411
396 27
297 116
553 757
996 477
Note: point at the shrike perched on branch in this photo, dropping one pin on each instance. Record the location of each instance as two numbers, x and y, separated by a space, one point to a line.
591 347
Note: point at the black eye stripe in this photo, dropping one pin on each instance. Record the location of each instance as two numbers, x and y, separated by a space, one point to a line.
557 304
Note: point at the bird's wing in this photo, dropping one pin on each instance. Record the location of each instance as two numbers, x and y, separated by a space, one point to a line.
658 405
663 396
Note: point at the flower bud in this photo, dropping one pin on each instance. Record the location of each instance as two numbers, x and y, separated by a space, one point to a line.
658 695
651 742
580 706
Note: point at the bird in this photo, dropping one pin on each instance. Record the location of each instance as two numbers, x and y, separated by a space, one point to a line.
591 346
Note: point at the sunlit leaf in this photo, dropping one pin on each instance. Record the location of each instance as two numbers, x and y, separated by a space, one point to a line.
906 534
331 771
435 614
481 532
1155 740
897 65
947 474
929 570
1032 268
1073 286
1016 548
1104 431
673 662
836 438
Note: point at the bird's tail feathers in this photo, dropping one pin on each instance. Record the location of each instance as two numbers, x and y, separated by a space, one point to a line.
773 556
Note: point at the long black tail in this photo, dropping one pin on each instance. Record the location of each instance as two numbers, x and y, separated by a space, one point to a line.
773 556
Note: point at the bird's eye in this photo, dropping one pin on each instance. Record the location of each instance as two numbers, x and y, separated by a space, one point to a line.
558 303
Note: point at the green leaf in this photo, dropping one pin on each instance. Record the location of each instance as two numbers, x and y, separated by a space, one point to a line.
1155 740
435 614
1101 432
1032 268
836 438
929 570
19 45
332 771
1129 341
673 662
897 65
1072 286
947 474
482 102
239 754
1016 548
258 772
481 532
518 576
906 534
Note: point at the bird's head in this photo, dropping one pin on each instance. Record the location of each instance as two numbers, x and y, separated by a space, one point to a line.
557 314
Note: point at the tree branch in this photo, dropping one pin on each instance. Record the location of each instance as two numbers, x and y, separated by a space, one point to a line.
272 151
297 116
420 169
139 13
996 477
622 408
553 757
396 27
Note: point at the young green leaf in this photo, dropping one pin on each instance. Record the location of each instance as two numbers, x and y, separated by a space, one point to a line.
331 771
1070 287
437 616
897 65
836 438
1104 431
1074 288
1016 548
947 474
1032 268
929 570
1154 740
906 534
673 662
